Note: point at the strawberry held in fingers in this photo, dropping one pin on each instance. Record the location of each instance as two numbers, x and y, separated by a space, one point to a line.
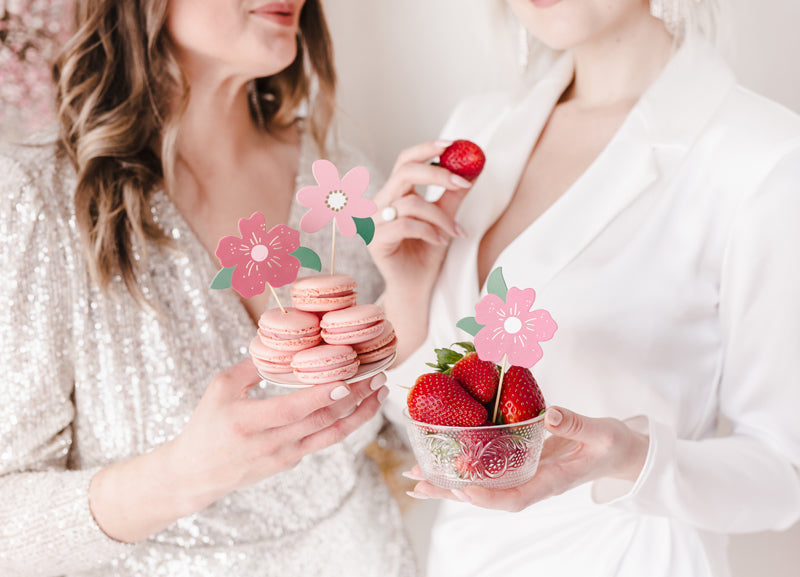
521 398
439 399
464 158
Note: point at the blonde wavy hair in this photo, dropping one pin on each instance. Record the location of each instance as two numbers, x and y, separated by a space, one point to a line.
117 80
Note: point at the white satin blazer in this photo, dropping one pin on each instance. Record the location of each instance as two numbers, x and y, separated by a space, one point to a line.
672 267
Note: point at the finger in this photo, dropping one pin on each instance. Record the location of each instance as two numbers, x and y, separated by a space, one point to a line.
339 430
409 175
451 200
327 416
422 152
261 414
568 424
413 206
391 235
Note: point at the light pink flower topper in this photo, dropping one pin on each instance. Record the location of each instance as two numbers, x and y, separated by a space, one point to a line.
505 327
333 198
258 258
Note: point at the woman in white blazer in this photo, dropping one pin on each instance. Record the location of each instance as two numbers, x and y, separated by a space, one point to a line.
654 206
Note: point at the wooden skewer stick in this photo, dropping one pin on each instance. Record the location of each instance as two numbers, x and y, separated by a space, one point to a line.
277 300
499 389
333 246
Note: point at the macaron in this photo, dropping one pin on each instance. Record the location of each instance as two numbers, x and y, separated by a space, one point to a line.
324 292
324 364
376 349
293 330
269 360
352 325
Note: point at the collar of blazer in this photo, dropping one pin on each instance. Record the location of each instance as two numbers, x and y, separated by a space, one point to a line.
647 149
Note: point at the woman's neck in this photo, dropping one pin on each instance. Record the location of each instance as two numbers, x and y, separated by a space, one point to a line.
217 124
618 67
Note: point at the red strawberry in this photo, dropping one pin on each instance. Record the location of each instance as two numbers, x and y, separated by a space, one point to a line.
464 158
521 398
438 399
480 378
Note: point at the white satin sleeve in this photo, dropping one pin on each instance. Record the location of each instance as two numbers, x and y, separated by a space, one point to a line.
749 480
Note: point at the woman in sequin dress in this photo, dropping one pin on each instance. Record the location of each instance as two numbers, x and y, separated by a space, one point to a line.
121 452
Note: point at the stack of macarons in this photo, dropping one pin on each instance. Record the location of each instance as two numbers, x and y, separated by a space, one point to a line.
325 335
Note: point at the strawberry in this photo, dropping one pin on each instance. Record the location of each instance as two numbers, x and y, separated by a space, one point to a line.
521 398
479 378
464 158
438 399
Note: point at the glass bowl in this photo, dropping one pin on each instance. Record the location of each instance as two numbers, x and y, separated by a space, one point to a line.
497 457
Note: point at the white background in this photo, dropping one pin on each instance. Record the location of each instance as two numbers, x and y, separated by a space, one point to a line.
403 66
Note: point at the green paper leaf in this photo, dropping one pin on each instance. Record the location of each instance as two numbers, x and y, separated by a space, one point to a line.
469 325
308 258
365 227
496 284
223 279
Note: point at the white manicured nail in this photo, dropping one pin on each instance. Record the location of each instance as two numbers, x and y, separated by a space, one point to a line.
339 392
460 181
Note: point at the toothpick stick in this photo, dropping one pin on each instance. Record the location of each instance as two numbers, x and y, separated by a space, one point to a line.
333 246
277 300
499 388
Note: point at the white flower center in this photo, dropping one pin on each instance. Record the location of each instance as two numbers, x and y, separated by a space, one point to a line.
259 253
336 200
512 325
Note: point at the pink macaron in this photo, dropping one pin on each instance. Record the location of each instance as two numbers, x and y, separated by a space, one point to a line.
269 360
376 349
324 292
352 325
293 330
325 364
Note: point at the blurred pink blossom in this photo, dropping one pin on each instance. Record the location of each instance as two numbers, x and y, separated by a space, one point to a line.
31 33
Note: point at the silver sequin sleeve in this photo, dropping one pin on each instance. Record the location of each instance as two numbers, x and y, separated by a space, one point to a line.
44 510
89 378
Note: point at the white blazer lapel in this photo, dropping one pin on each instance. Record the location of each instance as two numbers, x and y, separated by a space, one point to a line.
645 152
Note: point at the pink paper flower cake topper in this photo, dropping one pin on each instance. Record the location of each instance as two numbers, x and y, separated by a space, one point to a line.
339 200
261 257
505 327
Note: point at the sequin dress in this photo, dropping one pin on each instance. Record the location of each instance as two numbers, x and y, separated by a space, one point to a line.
90 379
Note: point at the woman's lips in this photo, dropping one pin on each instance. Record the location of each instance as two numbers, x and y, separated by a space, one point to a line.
544 3
281 13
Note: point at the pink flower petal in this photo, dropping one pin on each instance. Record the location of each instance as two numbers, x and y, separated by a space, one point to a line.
249 279
345 224
315 219
356 182
541 325
360 207
521 298
312 196
232 251
253 229
525 356
326 174
488 308
489 345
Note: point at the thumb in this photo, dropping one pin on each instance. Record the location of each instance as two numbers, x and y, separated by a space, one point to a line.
565 423
451 200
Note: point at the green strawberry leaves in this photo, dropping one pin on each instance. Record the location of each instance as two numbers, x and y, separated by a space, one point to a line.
446 358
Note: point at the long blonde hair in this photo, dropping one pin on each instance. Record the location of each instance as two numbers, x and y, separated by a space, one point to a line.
116 81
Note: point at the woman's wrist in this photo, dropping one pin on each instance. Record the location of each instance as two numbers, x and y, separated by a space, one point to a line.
131 500
635 455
